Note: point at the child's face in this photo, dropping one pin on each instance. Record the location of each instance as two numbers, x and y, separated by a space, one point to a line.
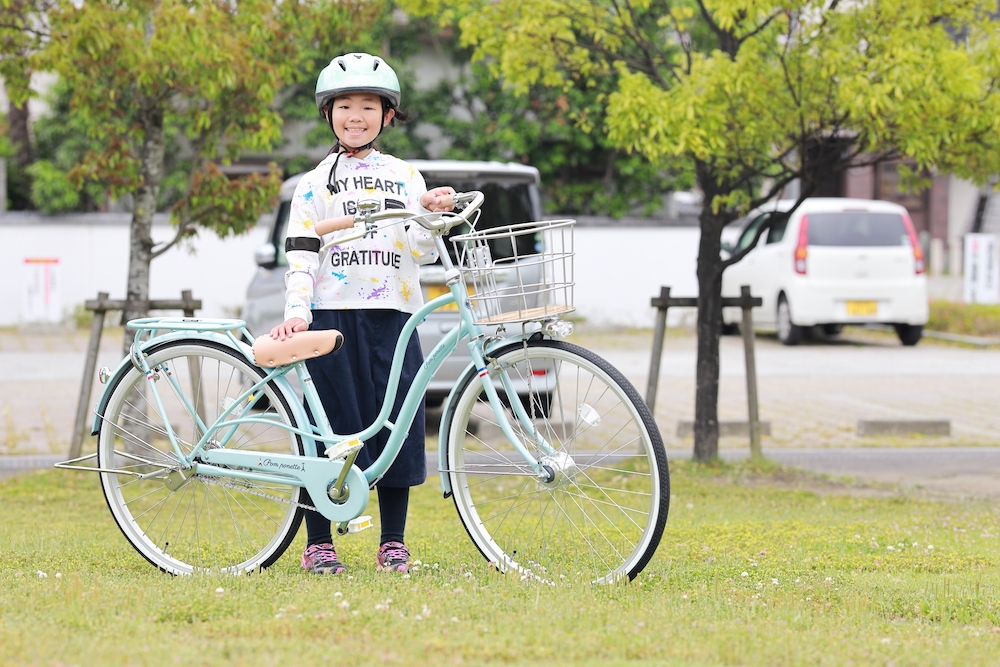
357 118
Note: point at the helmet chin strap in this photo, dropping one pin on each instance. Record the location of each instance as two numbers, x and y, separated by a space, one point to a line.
331 181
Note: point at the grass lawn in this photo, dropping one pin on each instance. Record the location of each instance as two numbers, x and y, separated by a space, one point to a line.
753 570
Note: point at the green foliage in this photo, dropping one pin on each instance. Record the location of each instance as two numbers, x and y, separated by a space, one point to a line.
971 319
739 89
51 189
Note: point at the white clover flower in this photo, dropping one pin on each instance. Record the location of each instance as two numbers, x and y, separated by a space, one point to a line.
42 575
344 604
338 594
744 574
454 619
220 590
774 581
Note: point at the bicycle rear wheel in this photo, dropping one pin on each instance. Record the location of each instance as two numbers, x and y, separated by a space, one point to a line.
601 518
201 523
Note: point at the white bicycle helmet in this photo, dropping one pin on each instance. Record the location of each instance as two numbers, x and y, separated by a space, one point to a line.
357 73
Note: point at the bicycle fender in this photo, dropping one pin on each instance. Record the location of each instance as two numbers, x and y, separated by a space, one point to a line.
446 414
126 363
281 383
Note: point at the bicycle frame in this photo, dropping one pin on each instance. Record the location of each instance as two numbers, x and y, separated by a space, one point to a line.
352 486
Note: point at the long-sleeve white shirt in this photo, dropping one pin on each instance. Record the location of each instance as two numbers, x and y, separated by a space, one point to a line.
368 273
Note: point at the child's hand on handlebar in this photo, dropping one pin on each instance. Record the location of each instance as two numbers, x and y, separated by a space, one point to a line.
439 200
288 327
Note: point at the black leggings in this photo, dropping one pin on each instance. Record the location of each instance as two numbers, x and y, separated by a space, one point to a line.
392 505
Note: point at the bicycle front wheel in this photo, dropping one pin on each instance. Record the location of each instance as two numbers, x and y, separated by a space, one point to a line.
601 516
199 523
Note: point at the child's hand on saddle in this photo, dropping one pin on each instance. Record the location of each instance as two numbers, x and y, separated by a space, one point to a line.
439 200
288 327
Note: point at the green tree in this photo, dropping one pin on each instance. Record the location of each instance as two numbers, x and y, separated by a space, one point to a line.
208 72
23 31
744 91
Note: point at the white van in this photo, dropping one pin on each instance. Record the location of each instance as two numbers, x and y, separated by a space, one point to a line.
835 261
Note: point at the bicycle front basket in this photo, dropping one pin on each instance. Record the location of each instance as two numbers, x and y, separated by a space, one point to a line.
518 273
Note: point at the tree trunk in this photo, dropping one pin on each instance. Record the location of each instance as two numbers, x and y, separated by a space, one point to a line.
140 236
19 183
706 398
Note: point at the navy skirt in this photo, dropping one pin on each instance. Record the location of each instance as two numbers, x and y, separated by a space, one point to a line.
351 384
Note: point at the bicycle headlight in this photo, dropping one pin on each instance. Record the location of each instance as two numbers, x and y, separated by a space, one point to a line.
558 328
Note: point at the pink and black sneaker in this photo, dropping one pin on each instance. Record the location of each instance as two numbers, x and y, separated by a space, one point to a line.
322 559
393 557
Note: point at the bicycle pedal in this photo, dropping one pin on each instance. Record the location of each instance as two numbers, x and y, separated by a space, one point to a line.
363 522
343 449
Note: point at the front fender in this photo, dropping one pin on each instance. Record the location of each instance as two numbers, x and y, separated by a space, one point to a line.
280 382
447 413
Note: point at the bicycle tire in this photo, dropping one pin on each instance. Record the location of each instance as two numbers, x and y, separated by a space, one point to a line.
205 524
603 515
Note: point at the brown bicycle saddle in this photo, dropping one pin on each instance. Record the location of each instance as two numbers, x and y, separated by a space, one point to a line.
303 345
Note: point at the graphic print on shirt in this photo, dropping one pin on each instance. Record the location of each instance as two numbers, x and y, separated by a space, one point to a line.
373 272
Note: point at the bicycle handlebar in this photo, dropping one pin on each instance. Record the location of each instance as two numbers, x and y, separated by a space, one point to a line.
433 222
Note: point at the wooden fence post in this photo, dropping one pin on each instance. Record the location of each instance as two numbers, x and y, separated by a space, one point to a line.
658 332
748 354
100 307
744 301
89 366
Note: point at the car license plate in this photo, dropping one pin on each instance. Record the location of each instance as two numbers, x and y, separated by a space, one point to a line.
862 308
434 291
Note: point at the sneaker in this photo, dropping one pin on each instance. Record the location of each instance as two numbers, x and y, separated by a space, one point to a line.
322 559
393 557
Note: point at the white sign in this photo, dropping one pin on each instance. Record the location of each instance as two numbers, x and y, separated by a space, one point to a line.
41 290
981 282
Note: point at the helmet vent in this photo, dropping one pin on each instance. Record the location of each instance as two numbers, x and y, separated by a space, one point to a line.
342 65
375 65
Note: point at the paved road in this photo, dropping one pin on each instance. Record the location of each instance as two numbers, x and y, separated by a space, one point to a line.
813 396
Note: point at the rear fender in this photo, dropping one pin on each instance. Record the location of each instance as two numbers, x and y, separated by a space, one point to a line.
281 383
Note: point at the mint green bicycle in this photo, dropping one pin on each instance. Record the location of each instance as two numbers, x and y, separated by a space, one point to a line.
554 463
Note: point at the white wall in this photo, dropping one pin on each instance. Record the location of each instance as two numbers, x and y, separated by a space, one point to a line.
94 258
618 269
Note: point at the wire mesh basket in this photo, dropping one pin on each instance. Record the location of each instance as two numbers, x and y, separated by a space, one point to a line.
518 273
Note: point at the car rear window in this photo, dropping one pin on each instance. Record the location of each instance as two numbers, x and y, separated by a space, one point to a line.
506 204
857 228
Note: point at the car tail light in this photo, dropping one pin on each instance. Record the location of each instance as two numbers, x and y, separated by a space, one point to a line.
918 251
800 249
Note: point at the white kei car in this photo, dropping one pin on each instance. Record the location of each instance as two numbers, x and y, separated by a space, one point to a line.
835 261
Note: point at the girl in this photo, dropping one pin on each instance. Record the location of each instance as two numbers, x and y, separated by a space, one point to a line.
366 289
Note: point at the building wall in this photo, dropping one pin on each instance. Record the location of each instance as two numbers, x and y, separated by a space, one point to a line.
617 269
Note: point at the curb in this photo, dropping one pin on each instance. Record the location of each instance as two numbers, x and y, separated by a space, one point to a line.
30 462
